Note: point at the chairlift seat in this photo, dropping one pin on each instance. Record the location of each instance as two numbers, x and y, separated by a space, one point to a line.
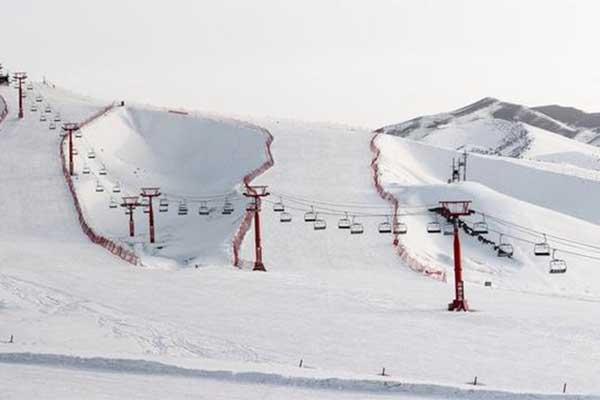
319 224
42 118
102 171
203 210
91 154
227 208
541 249
448 229
357 228
117 189
310 216
86 170
480 228
385 227
285 217
344 223
278 207
558 266
400 228
99 188
434 227
52 126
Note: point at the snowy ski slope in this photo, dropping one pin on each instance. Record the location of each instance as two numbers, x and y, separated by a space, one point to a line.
345 304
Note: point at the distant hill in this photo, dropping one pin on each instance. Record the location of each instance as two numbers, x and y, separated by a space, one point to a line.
491 126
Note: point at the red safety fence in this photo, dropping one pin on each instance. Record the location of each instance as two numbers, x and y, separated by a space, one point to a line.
4 108
411 261
108 244
247 221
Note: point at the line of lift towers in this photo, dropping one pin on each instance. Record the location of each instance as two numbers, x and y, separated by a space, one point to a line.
452 210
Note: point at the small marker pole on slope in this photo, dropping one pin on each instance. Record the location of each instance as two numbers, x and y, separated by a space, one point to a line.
130 203
256 192
453 210
149 193
20 76
70 127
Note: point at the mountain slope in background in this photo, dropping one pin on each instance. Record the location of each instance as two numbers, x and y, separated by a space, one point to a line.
489 126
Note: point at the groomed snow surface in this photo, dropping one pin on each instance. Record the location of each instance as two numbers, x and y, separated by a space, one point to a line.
86 324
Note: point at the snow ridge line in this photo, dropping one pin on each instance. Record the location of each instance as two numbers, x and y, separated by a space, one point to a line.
247 220
4 112
114 248
411 261
364 385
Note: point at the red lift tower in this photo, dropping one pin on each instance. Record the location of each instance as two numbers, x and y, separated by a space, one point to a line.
150 193
130 203
20 76
70 127
256 192
453 210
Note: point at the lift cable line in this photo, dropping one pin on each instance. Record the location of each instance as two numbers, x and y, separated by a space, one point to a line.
537 233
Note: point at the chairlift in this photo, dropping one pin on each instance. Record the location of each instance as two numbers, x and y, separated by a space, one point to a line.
39 98
163 205
504 249
542 249
319 224
448 229
285 217
52 126
480 227
42 118
86 170
344 222
99 187
75 152
33 108
203 210
557 265
227 208
57 119
251 206
113 203
117 188
145 205
310 216
434 227
91 153
77 132
356 228
399 228
183 209
278 206
30 86
48 110
385 227
103 171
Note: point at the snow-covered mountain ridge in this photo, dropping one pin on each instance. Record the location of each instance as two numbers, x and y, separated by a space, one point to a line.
489 126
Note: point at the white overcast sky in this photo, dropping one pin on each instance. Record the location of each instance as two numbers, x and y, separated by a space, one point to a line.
358 62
